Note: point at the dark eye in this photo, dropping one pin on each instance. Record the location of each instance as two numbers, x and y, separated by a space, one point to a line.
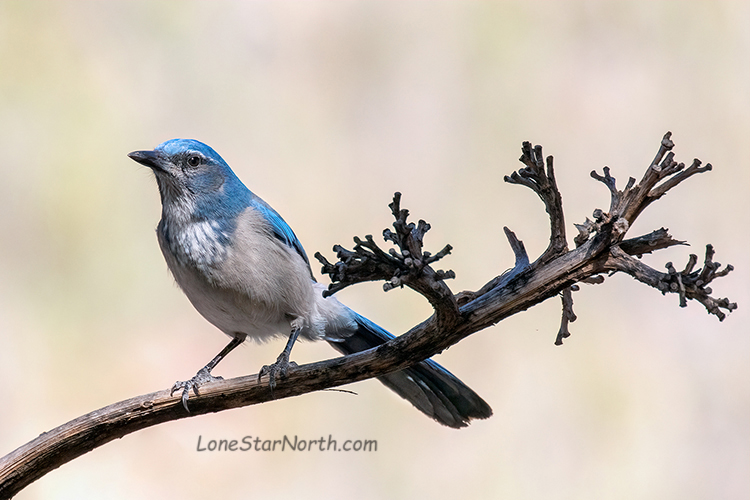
194 161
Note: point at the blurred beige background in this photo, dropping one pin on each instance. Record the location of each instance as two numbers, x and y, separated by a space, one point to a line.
325 109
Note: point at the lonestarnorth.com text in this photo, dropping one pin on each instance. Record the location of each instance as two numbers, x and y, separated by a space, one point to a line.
286 443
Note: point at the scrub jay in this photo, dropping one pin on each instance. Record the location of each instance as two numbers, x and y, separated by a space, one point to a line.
245 271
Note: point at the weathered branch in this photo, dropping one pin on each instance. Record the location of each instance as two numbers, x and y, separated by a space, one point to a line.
409 265
627 204
655 240
543 184
568 316
601 248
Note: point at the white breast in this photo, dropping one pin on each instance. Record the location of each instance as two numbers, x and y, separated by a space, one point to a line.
256 285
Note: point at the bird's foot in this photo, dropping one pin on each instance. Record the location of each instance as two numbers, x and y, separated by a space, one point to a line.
279 369
203 376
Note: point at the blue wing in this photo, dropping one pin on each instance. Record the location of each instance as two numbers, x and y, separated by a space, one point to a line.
280 228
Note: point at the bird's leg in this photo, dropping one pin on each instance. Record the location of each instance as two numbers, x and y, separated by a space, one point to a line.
204 374
282 364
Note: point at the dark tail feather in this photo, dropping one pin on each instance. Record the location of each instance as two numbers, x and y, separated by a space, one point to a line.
432 389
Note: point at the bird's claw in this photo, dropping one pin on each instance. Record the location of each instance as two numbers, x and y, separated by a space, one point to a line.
278 369
202 377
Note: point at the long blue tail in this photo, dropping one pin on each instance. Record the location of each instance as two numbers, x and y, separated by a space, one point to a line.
432 389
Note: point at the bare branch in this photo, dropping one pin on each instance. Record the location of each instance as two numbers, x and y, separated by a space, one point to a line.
688 284
655 240
693 169
521 264
568 316
601 247
409 265
543 184
630 202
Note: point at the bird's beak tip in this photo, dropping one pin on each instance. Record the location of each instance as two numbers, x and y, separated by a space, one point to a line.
148 158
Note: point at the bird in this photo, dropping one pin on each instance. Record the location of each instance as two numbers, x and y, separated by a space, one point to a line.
244 270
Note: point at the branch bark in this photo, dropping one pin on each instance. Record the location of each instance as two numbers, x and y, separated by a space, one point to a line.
600 249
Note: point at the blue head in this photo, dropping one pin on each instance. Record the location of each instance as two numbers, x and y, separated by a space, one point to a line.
197 185
194 181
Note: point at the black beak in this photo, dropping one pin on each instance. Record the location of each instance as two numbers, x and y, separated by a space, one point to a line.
151 159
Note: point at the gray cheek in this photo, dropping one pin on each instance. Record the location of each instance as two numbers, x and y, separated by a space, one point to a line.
206 180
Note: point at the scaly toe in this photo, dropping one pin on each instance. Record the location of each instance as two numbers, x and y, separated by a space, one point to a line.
202 377
278 369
